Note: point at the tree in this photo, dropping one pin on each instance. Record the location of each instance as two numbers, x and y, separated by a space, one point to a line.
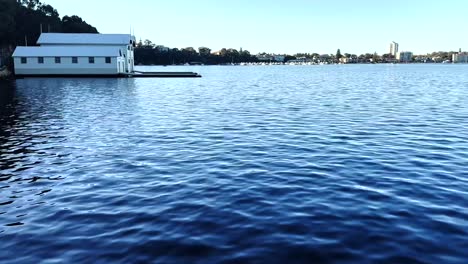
204 51
288 58
74 24
375 57
139 44
338 54
7 18
147 44
48 10
388 57
223 52
32 4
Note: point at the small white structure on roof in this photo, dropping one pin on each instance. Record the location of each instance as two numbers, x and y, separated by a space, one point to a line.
77 54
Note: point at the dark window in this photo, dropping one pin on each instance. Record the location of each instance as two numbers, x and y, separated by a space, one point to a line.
58 60
40 60
24 60
75 60
108 59
91 59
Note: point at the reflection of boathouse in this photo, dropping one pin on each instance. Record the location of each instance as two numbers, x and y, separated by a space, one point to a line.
77 54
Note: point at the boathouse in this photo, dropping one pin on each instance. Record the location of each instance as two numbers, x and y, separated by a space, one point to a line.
76 54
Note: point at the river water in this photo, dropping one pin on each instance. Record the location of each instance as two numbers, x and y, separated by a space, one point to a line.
280 164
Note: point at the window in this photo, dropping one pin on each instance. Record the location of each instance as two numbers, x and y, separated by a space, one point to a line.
58 60
24 60
40 60
108 59
74 60
91 60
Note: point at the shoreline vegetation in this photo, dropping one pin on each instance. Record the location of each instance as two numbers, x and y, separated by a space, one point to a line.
147 53
24 20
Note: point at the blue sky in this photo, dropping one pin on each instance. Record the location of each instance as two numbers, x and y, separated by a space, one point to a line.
283 26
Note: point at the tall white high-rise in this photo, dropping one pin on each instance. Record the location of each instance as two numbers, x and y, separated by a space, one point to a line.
394 48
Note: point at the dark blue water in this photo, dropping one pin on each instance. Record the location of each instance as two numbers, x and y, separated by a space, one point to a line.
318 164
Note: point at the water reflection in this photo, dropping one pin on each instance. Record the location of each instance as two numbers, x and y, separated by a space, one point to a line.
38 136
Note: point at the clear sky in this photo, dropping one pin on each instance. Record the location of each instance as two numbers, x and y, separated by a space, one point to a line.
283 26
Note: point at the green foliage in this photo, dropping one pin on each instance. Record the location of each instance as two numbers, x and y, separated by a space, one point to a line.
74 24
7 20
152 56
289 57
22 19
375 57
338 54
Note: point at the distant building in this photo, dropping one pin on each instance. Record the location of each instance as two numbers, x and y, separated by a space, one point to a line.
460 57
279 58
271 57
300 60
422 59
394 48
264 57
77 54
404 56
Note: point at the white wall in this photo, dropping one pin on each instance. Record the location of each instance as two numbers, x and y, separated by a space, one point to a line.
460 58
129 54
32 67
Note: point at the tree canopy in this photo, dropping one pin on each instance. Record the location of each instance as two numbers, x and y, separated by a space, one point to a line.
22 20
146 53
338 54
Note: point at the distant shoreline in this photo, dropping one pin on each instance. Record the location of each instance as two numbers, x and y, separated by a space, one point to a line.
299 64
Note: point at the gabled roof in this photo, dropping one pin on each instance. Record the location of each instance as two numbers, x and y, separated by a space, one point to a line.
67 52
85 38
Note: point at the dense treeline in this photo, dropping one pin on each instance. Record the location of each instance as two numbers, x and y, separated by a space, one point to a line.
21 22
149 54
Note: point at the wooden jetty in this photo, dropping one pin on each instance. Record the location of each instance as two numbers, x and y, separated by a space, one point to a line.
135 74
141 74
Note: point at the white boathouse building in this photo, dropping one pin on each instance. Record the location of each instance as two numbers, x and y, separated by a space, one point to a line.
77 54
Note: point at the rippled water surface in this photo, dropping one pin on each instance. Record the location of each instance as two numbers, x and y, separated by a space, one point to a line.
324 164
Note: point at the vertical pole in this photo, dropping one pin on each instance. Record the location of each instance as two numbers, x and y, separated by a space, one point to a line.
49 28
25 40
41 28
